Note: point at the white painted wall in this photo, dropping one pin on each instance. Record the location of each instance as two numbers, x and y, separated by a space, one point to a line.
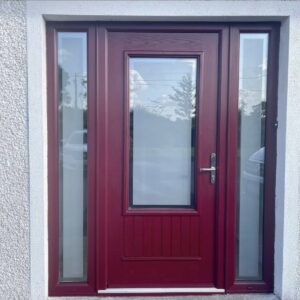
287 240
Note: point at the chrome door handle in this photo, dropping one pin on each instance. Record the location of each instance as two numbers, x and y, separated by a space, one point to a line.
207 169
212 168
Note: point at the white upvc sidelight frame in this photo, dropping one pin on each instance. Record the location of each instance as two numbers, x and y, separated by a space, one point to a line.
287 231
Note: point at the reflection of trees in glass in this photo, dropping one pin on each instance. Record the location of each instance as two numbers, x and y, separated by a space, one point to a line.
84 93
252 92
72 102
68 98
184 97
63 81
252 106
180 105
249 101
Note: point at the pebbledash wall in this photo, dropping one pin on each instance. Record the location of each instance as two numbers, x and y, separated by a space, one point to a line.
23 129
14 168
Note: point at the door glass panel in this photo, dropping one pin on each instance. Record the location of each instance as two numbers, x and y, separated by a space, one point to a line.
72 112
251 154
162 131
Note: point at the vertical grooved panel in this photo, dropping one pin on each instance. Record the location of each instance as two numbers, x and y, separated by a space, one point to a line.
156 236
185 236
166 236
128 236
147 243
195 239
162 236
176 236
138 236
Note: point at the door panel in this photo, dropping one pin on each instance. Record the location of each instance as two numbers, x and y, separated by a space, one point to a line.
167 237
161 245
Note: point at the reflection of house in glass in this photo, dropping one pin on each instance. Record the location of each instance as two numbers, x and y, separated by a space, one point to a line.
74 152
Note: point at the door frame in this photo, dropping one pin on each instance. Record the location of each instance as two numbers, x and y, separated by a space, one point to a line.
97 124
267 284
223 32
208 47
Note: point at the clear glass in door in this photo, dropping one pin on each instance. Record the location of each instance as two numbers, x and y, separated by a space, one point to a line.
162 131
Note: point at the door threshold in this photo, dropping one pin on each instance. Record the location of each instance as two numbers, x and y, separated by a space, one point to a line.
160 290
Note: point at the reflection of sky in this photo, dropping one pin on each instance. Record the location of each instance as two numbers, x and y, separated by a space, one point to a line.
161 136
152 79
72 57
252 70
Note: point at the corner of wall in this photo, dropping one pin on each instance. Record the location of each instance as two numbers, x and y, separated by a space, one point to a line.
37 111
281 139
287 233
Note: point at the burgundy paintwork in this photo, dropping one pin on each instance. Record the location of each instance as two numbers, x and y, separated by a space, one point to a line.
116 236
146 246
265 285
55 287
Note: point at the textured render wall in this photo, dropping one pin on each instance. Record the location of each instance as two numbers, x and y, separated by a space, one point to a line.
291 177
14 195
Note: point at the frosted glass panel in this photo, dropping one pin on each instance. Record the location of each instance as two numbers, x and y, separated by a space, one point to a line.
72 83
162 131
252 116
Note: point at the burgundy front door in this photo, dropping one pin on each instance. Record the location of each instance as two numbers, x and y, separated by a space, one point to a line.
162 109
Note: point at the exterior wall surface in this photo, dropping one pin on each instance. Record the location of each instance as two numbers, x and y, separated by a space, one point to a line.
25 278
14 188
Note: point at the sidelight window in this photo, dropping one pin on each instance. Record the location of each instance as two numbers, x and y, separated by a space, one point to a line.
253 65
73 149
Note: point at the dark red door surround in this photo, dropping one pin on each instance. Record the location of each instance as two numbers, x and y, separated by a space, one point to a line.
161 247
117 235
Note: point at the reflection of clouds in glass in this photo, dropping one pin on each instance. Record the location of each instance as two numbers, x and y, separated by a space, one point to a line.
264 67
178 105
63 54
72 65
253 73
165 107
136 84
193 65
249 100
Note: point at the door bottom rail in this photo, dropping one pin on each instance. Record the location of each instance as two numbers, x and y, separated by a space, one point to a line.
161 290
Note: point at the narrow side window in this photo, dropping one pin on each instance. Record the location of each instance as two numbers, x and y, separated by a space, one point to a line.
251 155
72 135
